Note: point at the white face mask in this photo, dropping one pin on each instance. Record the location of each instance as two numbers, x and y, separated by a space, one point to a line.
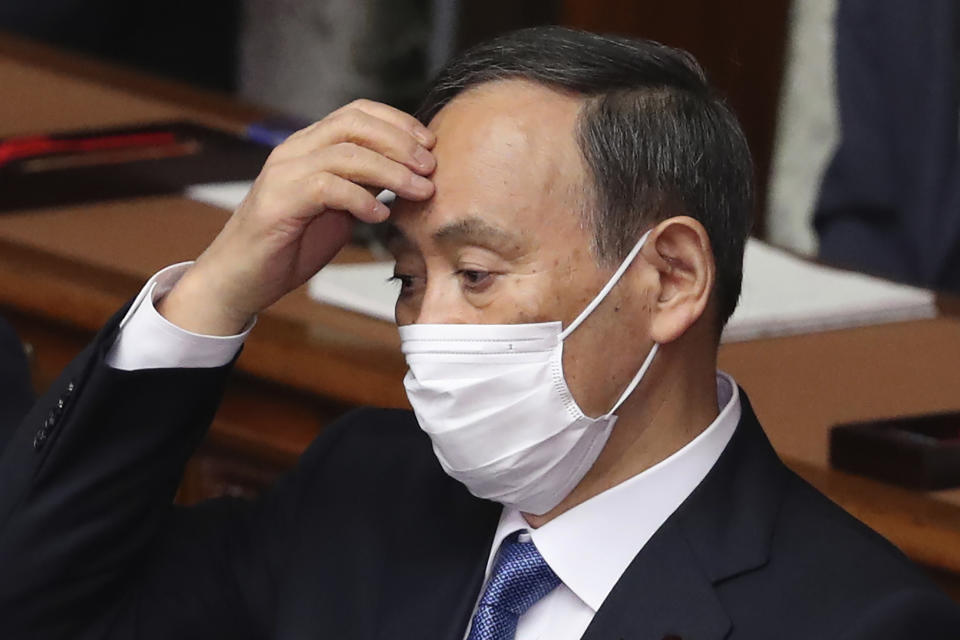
493 399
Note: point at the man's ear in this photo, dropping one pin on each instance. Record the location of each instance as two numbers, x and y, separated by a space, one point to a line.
679 249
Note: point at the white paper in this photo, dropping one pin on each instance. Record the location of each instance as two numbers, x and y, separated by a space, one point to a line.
784 295
364 288
226 195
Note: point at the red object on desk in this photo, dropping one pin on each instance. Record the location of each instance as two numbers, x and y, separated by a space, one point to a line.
13 149
131 161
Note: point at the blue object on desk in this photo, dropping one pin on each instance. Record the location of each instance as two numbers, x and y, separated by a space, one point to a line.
272 131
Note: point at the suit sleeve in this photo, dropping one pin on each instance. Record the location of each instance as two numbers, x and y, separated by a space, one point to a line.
91 545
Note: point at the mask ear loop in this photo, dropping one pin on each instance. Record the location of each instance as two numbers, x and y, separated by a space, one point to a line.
607 287
636 379
596 302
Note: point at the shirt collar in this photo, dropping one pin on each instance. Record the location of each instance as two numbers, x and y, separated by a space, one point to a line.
590 546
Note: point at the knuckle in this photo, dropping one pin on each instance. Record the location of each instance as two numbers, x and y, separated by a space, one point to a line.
347 150
351 119
336 113
361 103
323 182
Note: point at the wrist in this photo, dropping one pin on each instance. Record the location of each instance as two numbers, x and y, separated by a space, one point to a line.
198 305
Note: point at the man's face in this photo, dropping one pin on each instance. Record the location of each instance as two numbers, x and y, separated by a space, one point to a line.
504 239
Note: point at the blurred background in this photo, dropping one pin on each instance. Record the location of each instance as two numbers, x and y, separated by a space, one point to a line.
888 204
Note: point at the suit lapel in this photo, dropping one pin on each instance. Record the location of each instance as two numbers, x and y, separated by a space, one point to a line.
663 594
723 529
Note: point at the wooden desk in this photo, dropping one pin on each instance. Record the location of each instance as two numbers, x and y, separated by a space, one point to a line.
64 271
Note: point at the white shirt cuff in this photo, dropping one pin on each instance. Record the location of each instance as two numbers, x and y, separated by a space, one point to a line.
147 340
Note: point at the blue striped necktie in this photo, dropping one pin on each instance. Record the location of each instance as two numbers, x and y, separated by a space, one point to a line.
519 579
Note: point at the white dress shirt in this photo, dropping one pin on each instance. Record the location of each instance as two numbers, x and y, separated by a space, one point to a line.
147 340
589 547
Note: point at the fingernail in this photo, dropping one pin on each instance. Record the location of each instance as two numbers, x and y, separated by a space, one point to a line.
381 212
421 184
423 158
424 135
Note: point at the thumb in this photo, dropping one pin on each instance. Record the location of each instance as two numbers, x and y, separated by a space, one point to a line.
322 239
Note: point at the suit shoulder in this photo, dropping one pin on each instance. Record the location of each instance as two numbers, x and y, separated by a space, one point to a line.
840 572
907 613
812 521
828 575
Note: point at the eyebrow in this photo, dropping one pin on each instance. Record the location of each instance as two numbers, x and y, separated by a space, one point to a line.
468 231
478 232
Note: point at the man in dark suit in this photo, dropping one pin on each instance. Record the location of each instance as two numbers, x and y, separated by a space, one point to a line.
16 391
569 234
890 199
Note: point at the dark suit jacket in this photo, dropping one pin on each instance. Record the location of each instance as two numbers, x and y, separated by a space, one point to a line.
890 199
368 538
16 392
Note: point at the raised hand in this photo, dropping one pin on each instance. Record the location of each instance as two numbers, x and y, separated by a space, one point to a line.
300 211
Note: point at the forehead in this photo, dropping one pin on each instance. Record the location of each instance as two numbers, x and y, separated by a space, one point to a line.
507 153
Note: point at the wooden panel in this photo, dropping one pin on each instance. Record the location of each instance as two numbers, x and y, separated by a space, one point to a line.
78 66
802 385
740 43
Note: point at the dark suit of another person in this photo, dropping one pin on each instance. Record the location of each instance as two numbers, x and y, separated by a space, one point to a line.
368 538
16 392
890 198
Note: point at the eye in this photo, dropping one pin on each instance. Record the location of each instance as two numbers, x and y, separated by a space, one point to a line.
475 280
407 283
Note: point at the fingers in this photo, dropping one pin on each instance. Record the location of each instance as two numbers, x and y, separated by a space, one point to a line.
366 143
399 119
358 165
378 127
370 169
330 191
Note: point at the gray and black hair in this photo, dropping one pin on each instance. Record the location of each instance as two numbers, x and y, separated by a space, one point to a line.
657 140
